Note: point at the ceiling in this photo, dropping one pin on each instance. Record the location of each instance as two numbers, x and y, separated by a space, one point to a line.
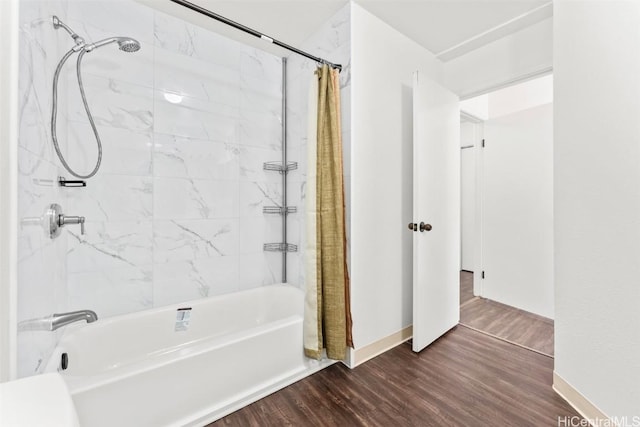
446 27
441 25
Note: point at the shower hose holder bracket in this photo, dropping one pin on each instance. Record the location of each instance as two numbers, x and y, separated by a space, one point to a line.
63 182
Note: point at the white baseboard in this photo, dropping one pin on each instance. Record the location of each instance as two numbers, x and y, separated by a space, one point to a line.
584 406
361 355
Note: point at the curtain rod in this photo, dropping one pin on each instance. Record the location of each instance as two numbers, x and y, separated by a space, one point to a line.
253 32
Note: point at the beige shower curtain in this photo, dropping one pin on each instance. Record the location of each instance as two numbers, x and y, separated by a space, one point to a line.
327 303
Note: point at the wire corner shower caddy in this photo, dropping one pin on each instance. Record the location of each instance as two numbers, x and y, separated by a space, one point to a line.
283 167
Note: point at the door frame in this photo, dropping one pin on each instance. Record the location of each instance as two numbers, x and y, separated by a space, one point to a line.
478 134
478 289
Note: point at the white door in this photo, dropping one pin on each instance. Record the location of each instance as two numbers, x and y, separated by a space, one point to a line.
436 211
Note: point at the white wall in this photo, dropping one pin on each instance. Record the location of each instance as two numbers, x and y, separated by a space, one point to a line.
597 201
524 53
518 97
522 96
467 195
381 166
478 106
517 216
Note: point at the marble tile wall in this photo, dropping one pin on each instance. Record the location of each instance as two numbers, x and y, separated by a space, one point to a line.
41 261
333 43
175 212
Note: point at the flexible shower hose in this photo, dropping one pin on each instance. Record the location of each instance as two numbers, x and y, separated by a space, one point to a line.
54 114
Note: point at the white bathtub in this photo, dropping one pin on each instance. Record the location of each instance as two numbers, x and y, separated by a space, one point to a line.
137 370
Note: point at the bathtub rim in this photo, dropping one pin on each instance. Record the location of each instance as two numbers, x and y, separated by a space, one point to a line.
75 381
52 364
174 306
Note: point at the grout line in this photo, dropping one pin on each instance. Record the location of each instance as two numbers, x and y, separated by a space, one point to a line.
506 340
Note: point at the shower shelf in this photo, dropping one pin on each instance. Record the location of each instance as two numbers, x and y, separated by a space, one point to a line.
278 166
279 210
280 247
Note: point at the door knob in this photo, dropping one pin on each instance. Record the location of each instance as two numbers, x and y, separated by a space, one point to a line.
413 226
425 227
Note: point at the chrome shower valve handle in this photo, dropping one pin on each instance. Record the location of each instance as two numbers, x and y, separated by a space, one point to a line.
54 219
64 220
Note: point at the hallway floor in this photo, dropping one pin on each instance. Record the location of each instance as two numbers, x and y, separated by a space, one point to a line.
465 378
466 287
509 323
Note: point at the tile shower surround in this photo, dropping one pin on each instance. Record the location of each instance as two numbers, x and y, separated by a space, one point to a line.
175 212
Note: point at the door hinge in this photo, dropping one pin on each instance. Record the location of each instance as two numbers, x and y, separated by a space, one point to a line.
483 143
483 274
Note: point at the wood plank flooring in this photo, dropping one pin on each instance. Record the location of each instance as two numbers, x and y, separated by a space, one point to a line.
506 322
466 287
465 378
518 326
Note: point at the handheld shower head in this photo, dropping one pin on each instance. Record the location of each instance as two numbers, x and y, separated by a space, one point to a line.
126 44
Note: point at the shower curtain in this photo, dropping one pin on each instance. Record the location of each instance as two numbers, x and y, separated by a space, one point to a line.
327 323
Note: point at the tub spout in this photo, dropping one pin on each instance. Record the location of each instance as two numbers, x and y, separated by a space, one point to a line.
57 320
63 319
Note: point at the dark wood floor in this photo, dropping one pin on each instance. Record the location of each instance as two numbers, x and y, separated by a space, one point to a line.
503 321
466 378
